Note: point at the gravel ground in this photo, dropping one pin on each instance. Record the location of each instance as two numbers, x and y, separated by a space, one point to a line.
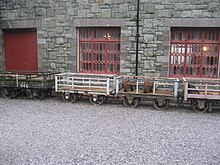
53 132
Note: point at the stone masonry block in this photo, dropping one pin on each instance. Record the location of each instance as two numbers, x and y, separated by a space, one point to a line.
94 8
158 22
50 24
123 7
148 38
118 1
149 8
148 23
148 52
197 13
50 12
148 64
180 6
106 13
59 40
162 58
207 14
82 13
216 14
41 41
186 14
163 13
213 7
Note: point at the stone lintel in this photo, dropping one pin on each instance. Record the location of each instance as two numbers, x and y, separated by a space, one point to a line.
192 22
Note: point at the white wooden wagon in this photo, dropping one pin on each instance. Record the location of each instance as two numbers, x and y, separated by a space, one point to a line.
98 87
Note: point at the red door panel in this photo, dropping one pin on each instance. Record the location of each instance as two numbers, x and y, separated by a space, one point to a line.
21 50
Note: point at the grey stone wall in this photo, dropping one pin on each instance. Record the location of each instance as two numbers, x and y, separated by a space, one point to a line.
57 22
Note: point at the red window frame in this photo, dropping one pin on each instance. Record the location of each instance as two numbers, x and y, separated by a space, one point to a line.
194 52
99 50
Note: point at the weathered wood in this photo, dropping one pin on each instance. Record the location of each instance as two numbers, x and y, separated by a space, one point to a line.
26 80
201 89
87 83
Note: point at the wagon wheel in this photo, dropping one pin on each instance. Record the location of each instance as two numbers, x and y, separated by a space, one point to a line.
38 94
97 100
66 96
29 93
106 99
79 95
201 106
161 104
131 102
73 97
9 93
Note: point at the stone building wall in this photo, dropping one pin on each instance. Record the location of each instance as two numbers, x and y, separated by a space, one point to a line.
57 22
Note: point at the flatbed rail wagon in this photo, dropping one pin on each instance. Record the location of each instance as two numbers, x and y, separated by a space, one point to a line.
159 90
98 87
202 93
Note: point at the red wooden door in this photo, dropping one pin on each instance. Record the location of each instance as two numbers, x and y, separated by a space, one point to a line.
21 50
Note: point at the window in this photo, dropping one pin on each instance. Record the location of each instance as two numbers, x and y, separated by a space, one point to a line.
99 50
194 52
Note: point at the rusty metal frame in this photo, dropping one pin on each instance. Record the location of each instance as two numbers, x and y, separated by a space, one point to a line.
160 86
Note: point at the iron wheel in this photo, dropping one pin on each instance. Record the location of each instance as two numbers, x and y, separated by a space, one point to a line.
98 100
79 95
38 95
9 93
131 102
73 97
200 106
66 96
161 104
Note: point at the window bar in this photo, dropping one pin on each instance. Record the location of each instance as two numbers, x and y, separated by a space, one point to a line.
92 58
